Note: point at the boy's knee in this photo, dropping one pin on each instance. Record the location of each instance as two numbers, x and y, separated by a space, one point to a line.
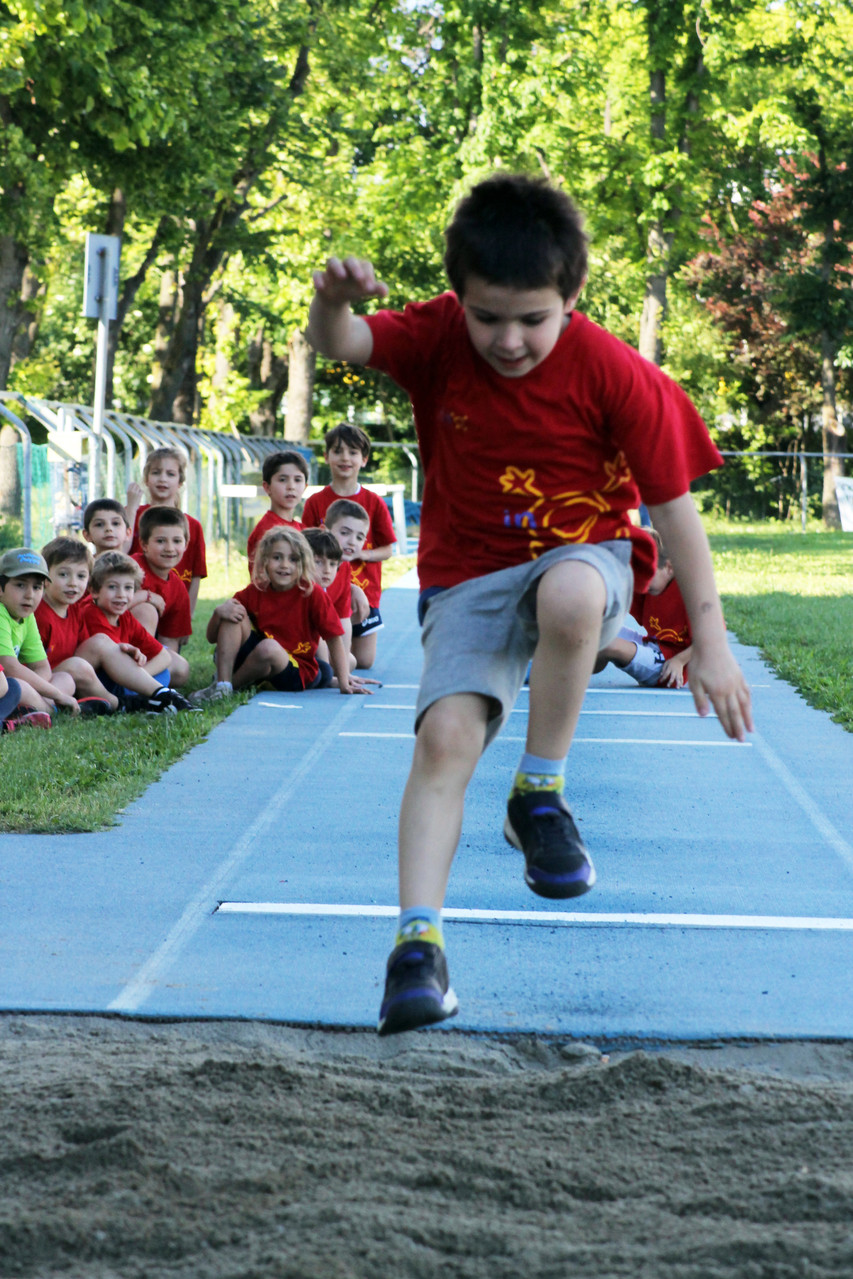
452 730
570 601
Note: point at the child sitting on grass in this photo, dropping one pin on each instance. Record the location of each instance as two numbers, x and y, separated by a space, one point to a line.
162 602
285 475
23 574
11 717
347 451
269 632
59 618
164 474
115 579
660 656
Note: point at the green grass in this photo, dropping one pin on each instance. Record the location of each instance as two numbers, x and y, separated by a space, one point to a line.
787 593
791 595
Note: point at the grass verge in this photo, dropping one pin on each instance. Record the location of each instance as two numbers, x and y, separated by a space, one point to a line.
791 595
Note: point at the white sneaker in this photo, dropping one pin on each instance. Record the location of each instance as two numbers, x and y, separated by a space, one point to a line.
213 692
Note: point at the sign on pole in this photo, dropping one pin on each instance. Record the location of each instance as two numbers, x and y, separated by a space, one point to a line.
100 302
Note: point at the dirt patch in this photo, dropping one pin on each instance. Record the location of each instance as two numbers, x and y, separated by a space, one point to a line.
204 1150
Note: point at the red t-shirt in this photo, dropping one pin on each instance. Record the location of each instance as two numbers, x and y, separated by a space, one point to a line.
516 466
61 636
366 574
298 621
127 631
665 618
175 620
193 562
339 594
264 524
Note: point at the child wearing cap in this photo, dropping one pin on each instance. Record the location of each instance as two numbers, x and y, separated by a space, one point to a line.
23 573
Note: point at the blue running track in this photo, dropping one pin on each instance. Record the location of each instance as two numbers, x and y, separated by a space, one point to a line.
257 879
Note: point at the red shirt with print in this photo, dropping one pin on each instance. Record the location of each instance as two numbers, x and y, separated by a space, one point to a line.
339 593
517 466
296 619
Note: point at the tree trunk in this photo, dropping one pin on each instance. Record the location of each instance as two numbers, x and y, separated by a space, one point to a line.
267 372
832 433
10 482
302 364
659 240
167 307
13 263
115 226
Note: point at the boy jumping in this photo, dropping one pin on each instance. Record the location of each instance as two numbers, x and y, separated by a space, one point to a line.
539 432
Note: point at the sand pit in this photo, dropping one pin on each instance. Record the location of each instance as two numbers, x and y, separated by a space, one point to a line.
208 1150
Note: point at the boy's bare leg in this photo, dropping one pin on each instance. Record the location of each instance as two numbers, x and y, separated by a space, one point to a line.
86 682
104 654
619 651
147 615
448 745
569 608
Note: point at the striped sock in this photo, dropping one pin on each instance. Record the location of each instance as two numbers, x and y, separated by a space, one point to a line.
420 923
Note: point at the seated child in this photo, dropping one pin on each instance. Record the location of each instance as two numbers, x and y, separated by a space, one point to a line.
334 575
285 475
162 603
115 579
11 718
106 525
347 451
661 655
347 522
59 618
270 631
23 573
164 474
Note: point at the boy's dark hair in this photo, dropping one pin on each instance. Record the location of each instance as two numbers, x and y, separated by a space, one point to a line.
517 231
103 504
324 543
161 517
345 509
284 458
114 562
67 549
352 436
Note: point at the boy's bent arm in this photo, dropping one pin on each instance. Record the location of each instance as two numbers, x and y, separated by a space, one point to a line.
714 673
333 330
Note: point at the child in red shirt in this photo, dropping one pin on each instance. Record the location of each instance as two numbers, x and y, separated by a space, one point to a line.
347 451
162 602
539 433
285 475
164 474
660 655
115 579
270 631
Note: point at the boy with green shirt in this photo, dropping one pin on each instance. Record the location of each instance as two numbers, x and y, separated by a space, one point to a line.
23 573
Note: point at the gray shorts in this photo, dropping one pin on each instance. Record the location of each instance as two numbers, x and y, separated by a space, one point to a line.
479 636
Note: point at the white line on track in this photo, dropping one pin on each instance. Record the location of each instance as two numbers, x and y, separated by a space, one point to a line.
796 923
521 710
282 706
603 741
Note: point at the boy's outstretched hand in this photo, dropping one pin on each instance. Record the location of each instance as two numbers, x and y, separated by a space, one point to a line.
347 281
716 677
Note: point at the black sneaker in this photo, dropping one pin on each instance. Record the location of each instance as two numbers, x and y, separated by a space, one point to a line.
417 990
557 863
131 703
168 701
91 706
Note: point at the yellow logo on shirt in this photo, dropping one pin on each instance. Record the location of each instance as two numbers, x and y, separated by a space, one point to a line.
546 512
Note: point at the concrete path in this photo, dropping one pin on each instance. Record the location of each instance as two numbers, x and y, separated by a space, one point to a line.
257 879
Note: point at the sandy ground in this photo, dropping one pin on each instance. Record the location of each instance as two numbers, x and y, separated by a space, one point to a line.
207 1150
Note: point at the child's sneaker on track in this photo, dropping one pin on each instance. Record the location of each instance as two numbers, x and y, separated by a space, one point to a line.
417 989
557 864
27 719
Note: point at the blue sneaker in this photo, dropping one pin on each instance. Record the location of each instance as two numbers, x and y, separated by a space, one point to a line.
417 989
557 864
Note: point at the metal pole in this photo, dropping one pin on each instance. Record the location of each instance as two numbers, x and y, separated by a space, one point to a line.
804 490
